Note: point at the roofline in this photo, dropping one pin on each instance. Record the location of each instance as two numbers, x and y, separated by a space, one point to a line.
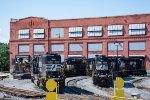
101 17
16 20
81 18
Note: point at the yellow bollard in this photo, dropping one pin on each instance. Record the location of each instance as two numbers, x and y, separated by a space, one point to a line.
51 86
118 91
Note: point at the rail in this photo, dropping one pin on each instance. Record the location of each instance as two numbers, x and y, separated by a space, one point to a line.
72 86
21 92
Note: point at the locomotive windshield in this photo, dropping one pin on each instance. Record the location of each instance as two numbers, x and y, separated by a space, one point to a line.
101 63
52 60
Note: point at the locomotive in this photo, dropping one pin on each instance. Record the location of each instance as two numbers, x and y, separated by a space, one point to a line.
22 68
132 66
105 69
75 66
47 66
101 74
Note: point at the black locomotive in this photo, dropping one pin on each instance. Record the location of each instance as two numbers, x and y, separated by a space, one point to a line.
101 75
47 66
22 68
132 66
105 69
75 66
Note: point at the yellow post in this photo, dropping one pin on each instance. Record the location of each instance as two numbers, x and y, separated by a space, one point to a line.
118 91
51 86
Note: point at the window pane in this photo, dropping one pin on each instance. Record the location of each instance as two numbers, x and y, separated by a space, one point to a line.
75 47
23 33
95 33
57 32
137 32
113 47
75 34
57 47
23 48
115 30
23 36
38 33
75 31
95 47
137 26
38 48
136 45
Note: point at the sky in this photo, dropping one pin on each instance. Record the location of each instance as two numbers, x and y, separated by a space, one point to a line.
65 9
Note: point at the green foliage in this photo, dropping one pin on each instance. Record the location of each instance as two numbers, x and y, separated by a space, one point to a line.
4 57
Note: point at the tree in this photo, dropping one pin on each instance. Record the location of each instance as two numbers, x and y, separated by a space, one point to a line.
4 57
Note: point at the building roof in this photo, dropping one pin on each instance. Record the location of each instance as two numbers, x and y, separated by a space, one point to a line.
15 20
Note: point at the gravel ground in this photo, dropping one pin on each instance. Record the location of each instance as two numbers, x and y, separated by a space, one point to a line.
146 82
21 84
85 84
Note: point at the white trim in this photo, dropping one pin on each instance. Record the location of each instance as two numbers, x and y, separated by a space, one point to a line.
94 28
137 55
75 55
115 27
75 29
137 26
23 31
38 31
115 55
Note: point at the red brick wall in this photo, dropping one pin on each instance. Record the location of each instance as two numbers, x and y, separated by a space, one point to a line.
34 22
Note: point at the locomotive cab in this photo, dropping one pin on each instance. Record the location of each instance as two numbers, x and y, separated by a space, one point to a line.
75 66
22 68
45 67
136 66
102 72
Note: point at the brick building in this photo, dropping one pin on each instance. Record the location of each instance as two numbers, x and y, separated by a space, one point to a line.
82 37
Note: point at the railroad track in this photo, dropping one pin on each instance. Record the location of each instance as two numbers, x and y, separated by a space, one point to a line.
137 84
72 86
84 94
21 92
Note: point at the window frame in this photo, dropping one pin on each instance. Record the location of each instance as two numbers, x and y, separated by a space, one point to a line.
35 33
94 30
23 45
60 36
119 43
20 33
140 29
137 46
59 50
75 44
75 32
100 44
115 30
39 44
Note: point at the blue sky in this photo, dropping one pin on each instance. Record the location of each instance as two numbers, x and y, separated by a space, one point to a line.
64 9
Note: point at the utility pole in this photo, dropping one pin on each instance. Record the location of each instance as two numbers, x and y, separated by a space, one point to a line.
117 44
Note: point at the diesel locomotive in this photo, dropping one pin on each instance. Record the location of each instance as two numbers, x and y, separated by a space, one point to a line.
22 68
75 66
101 75
132 66
47 66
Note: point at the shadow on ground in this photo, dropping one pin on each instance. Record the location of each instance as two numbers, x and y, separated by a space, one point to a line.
76 90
